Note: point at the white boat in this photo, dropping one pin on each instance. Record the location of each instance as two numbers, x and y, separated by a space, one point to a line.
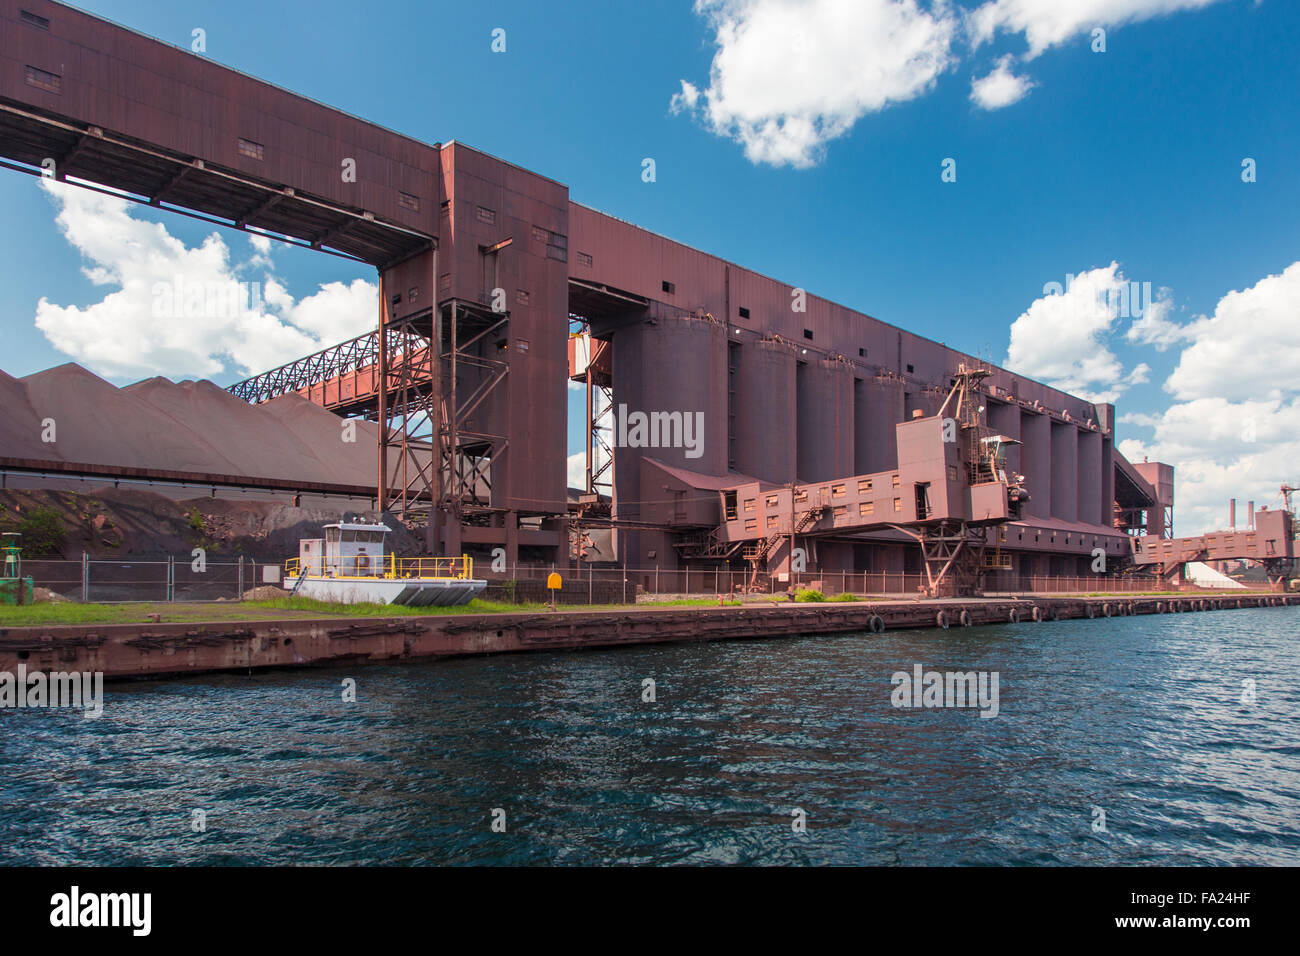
349 566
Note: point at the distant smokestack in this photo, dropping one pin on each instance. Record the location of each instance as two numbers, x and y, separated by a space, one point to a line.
1250 512
1232 513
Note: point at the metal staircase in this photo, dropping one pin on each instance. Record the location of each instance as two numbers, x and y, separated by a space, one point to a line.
757 554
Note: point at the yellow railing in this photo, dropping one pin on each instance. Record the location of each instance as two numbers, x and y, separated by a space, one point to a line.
359 566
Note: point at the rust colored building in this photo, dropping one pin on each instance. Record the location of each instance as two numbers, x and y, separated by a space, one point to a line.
491 262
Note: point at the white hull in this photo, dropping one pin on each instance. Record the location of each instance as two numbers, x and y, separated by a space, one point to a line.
412 592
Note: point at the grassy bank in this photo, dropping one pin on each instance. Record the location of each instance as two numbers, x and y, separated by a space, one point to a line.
273 609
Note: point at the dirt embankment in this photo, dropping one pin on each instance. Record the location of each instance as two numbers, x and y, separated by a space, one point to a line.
111 522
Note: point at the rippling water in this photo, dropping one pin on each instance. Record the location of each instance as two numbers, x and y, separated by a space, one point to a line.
1140 717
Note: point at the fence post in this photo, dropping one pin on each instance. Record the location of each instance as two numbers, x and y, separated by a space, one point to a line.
656 580
241 578
171 578
85 577
625 577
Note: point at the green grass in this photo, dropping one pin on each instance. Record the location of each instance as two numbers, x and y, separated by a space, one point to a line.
35 615
276 608
31 615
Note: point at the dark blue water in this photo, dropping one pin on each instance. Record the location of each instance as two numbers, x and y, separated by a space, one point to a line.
1140 717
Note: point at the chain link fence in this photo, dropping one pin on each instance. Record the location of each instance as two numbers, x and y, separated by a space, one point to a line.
103 581
626 585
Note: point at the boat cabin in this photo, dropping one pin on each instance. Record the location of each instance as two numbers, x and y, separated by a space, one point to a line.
349 549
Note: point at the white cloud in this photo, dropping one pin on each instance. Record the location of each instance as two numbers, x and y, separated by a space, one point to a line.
1220 450
577 470
1235 431
1154 327
1061 338
791 75
1249 348
1048 23
144 327
1000 88
261 252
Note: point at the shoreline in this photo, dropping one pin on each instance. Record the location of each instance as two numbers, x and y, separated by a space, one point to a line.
164 650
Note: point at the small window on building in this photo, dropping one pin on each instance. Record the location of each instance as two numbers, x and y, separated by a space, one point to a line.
864 485
751 524
952 472
862 353
771 501
898 504
894 481
523 297
408 201
44 80
541 235
729 505
250 149
841 511
751 504
808 334
910 369
486 215
584 259
412 293
669 287
522 344
32 19
772 521
801 494
397 298
557 247
867 508
837 491
744 312
444 283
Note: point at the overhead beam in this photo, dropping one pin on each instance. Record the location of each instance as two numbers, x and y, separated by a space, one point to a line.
92 133
157 198
269 203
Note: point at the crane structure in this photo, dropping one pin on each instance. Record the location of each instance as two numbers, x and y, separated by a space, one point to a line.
951 485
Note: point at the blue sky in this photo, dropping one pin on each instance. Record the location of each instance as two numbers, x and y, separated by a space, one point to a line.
1075 160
